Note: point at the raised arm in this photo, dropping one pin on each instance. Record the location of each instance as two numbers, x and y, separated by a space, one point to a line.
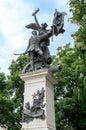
34 14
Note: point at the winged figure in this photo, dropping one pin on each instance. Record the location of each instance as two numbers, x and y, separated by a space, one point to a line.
40 40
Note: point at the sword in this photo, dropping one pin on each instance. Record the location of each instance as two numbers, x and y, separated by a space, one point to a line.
36 11
21 53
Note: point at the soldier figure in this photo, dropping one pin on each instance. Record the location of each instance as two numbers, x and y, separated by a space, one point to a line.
34 48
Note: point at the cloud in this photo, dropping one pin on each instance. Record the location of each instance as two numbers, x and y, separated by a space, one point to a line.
13 18
12 21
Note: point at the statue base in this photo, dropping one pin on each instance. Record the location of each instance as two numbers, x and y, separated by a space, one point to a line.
39 95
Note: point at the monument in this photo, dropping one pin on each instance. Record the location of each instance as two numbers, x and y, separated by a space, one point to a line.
38 112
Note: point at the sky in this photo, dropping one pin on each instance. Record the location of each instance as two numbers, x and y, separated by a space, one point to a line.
15 14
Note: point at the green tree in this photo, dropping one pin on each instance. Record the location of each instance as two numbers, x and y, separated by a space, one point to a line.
16 89
70 99
6 105
70 91
11 95
78 9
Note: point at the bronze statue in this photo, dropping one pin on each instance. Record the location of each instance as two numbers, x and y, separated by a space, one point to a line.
39 41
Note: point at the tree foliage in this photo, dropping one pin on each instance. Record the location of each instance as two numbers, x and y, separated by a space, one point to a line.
11 95
6 105
16 86
70 97
70 92
78 9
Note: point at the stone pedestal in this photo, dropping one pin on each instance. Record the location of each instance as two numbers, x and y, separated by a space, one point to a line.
36 81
